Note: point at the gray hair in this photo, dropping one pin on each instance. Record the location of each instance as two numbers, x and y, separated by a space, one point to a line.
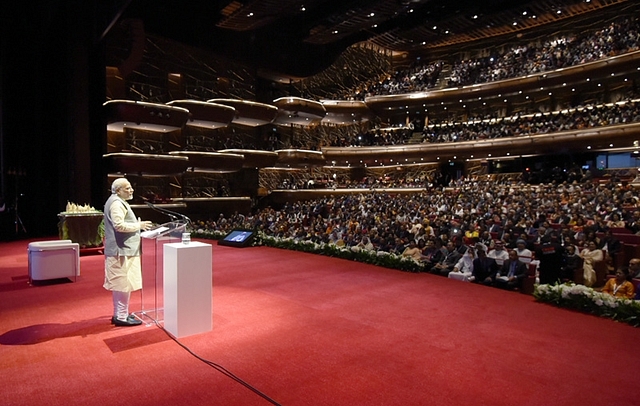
118 184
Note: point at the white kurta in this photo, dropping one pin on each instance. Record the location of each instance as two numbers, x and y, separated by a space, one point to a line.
122 273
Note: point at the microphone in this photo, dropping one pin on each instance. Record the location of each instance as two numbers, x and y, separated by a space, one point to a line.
175 216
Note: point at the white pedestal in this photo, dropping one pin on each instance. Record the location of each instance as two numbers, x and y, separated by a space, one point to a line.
188 278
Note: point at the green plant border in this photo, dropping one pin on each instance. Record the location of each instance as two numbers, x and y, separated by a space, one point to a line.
569 296
379 258
588 300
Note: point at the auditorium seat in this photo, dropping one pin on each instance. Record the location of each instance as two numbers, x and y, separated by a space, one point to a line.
602 270
578 276
529 282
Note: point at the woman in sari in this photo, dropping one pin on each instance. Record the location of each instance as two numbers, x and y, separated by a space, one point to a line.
590 255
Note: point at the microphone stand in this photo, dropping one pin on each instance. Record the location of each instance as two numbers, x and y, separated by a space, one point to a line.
175 216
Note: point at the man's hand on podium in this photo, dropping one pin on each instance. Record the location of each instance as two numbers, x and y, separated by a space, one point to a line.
145 225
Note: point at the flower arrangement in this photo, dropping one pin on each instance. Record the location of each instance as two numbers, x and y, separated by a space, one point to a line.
380 258
582 298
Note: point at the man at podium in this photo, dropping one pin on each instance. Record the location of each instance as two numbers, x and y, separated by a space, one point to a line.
123 273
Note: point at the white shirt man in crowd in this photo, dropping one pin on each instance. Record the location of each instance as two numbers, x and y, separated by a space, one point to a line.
499 253
524 255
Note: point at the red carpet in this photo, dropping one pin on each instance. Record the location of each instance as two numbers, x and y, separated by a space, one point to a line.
309 330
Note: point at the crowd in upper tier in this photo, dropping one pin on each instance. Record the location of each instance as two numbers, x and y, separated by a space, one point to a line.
615 38
419 77
625 112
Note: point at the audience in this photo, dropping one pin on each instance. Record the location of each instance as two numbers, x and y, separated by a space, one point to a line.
620 286
590 256
512 272
616 38
399 224
499 254
634 268
448 262
477 129
463 270
484 268
572 263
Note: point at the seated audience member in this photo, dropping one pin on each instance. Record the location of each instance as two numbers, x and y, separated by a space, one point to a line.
615 221
463 270
634 268
620 286
590 255
336 239
569 240
432 253
365 244
508 242
486 239
512 272
499 253
412 251
611 245
524 254
590 235
633 224
448 262
484 268
472 235
397 247
572 262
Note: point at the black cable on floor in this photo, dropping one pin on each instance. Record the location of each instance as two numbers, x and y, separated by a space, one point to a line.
219 368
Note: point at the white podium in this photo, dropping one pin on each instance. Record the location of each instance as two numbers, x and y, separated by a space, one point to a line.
187 281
